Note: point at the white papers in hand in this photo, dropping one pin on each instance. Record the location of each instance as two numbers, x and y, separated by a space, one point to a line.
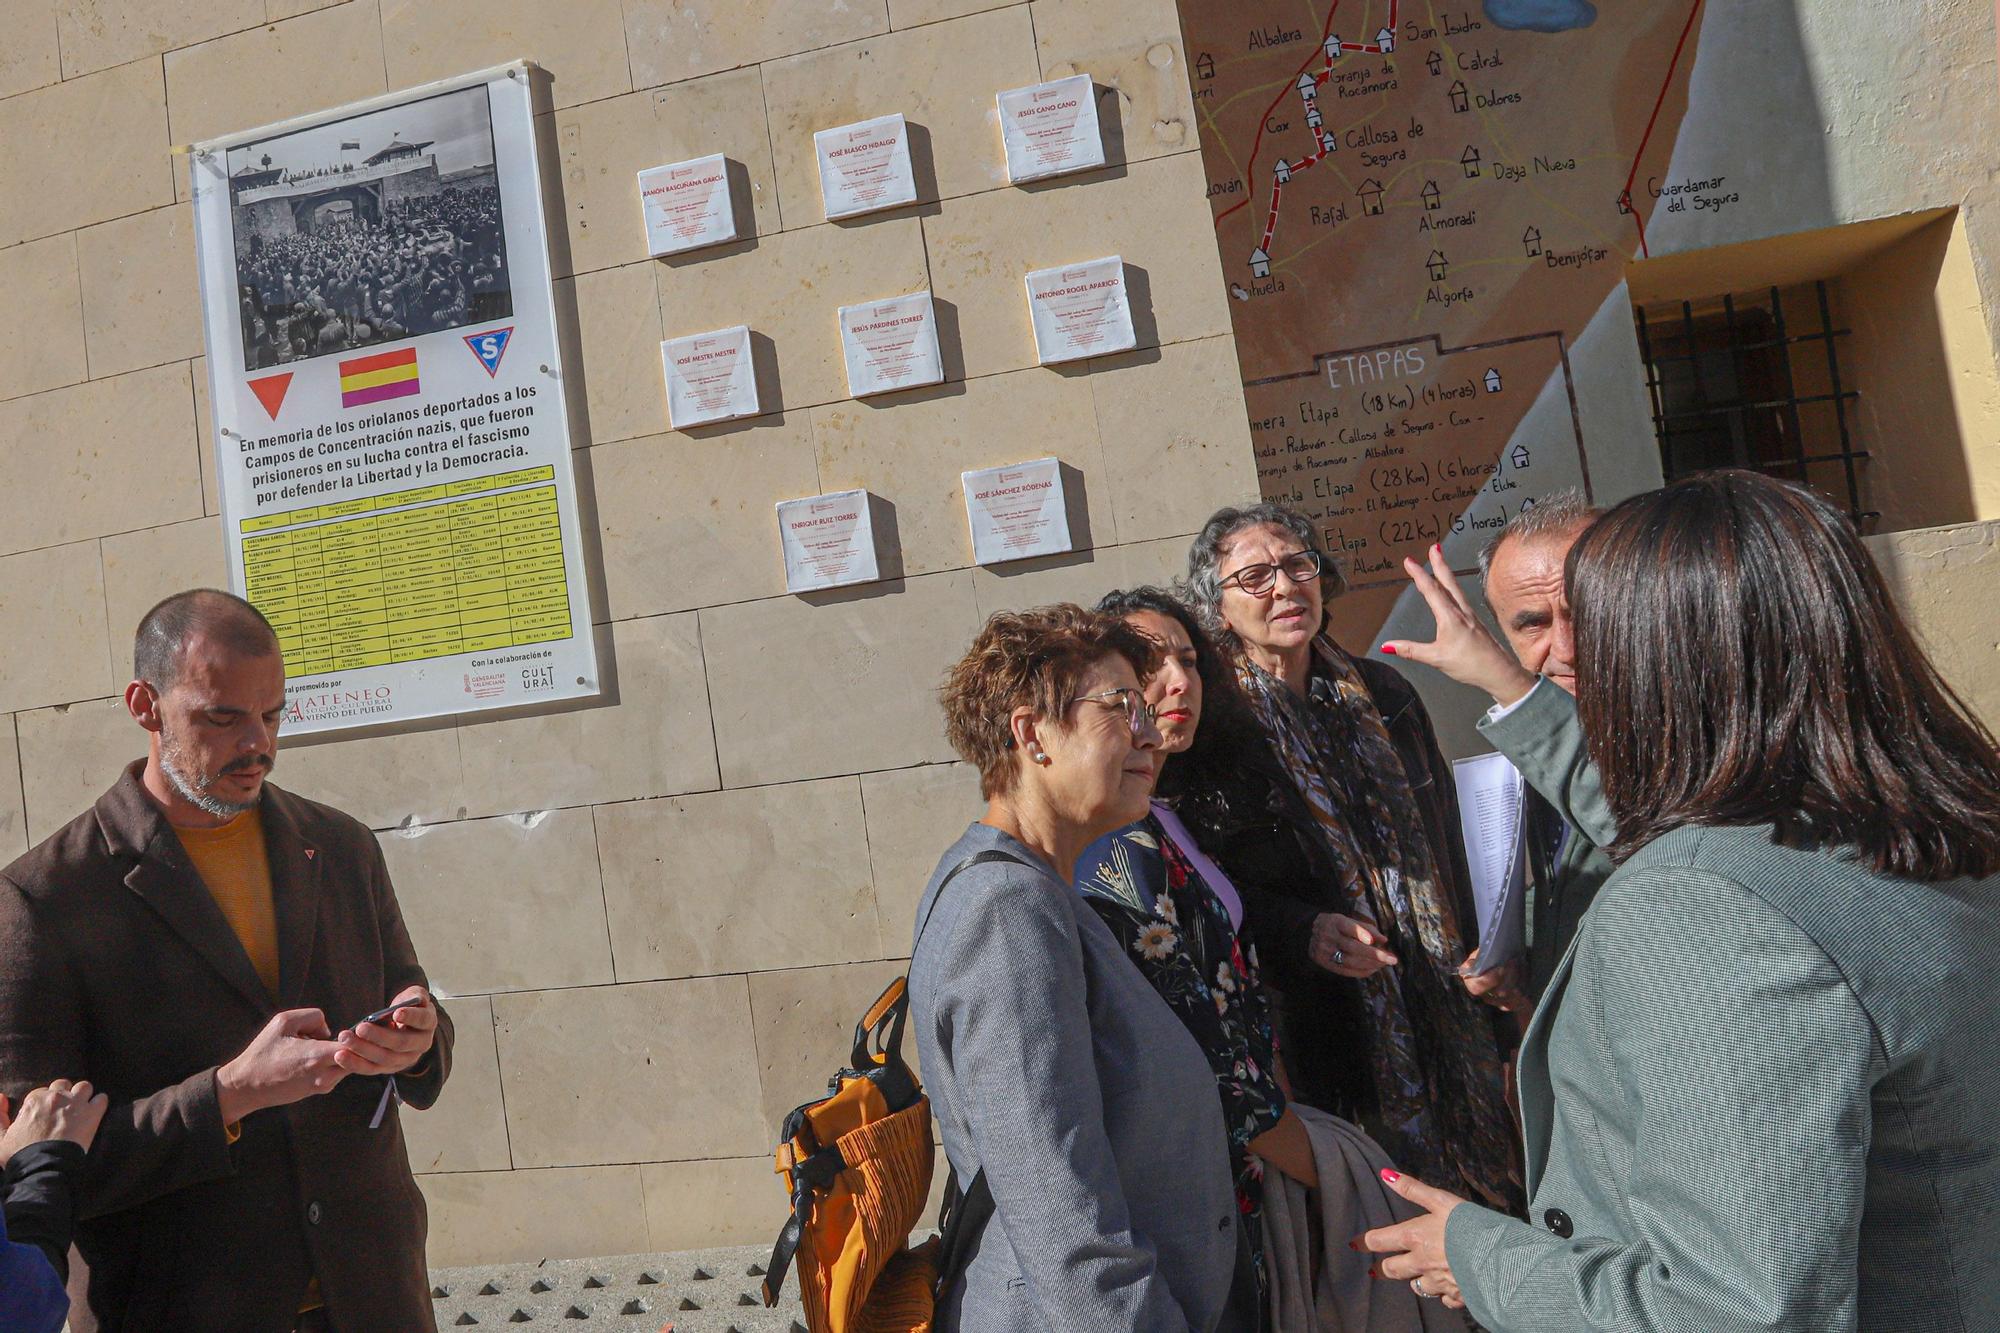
1489 816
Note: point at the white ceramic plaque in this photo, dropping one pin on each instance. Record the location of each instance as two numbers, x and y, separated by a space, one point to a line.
890 344
829 541
687 205
1017 511
1080 310
865 166
1050 129
709 377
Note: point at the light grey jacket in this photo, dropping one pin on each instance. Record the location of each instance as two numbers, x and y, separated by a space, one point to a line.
1054 1065
1762 1092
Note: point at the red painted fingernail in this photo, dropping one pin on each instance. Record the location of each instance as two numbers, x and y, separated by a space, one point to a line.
1354 1245
1389 649
1373 1271
1391 1176
1436 546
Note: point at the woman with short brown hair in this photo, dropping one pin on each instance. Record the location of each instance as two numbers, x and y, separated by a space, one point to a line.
1066 1090
1759 1093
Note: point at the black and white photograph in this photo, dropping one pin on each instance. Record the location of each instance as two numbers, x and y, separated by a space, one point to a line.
369 230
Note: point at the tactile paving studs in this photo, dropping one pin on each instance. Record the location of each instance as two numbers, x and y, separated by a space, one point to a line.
756 1270
635 1306
465 1319
540 1285
651 1277
576 1312
702 1275
687 1303
594 1281
490 1289
520 1317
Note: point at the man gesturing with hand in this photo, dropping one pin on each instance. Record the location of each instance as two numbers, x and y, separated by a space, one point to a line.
212 954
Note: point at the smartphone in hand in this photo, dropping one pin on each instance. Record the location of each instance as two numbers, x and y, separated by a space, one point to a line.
383 1015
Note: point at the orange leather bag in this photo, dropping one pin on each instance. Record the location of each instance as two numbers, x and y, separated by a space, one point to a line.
857 1165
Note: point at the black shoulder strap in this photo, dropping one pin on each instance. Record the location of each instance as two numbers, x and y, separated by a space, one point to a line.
985 858
964 1214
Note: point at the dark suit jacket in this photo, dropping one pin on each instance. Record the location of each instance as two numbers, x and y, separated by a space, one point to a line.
117 966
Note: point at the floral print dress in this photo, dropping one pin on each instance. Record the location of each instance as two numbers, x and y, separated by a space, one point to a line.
1178 933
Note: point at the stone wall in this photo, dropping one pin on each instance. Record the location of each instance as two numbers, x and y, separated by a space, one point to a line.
658 916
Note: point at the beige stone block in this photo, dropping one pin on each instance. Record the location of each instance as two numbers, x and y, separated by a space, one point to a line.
13 796
788 289
503 904
723 1201
52 621
100 33
1176 440
688 522
605 145
842 683
914 13
911 452
1081 579
940 77
107 456
805 1021
578 42
41 341
618 320
466 1129
31 57
385 782
204 432
291 9
671 40
497 1217
913 815
651 738
70 756
736 881
1943 580
142 567
141 301
121 114
647 1073
310 63
981 247
1133 52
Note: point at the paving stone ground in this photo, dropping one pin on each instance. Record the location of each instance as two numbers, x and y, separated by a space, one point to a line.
694 1291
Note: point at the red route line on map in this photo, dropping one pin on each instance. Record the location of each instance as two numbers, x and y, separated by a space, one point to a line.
1651 120
1256 144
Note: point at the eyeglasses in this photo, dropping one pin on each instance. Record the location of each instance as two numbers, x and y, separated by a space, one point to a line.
1139 714
1259 580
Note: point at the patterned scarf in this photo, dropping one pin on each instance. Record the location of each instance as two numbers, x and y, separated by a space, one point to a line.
1435 1065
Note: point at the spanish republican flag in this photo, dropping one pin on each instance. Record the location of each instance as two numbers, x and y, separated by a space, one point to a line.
371 379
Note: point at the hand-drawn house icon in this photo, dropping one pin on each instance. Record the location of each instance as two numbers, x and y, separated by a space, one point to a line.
1328 143
1519 458
1260 263
1308 87
1437 265
1313 118
1493 379
1386 40
1204 66
1470 160
1531 240
1332 48
1284 171
1625 202
1371 196
1436 63
1429 194
1457 95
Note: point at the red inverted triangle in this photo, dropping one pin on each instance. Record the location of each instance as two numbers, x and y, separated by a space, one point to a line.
270 391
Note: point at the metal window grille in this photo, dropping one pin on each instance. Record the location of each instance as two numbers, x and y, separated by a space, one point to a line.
1755 382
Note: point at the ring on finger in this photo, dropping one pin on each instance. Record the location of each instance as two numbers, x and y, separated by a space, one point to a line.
1339 956
1417 1285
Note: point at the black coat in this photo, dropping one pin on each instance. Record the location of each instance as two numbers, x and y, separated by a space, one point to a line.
1248 815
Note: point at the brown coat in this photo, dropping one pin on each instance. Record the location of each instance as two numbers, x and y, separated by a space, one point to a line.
117 966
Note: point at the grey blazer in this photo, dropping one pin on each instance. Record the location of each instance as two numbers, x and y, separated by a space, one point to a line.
1760 1094
1053 1064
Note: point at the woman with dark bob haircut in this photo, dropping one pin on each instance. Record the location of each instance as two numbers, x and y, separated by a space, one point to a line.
1760 1093
1067 1093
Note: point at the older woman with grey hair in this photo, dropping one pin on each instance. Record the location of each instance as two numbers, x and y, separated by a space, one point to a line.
1341 832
